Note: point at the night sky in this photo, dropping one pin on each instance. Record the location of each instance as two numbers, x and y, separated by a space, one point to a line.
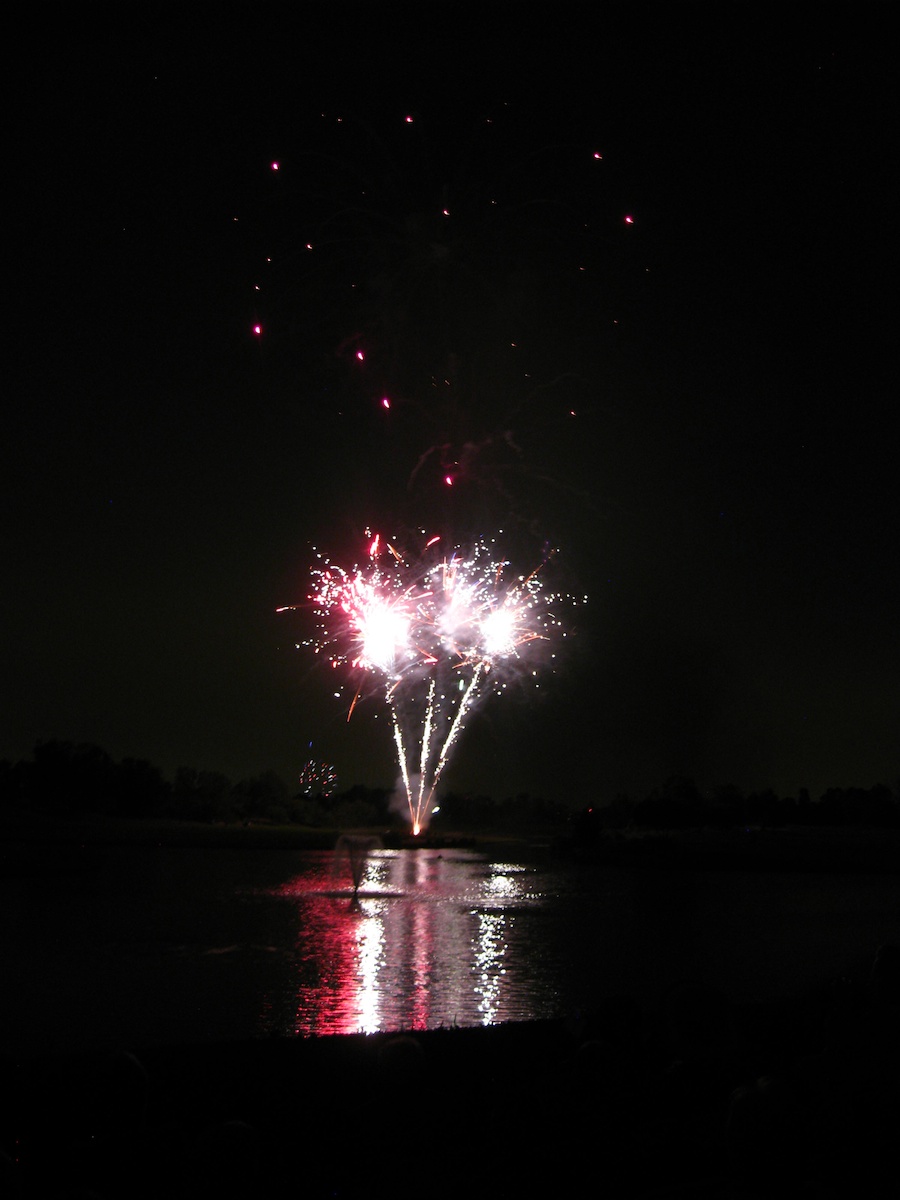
654 332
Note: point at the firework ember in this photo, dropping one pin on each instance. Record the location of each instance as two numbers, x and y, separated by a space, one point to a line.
437 634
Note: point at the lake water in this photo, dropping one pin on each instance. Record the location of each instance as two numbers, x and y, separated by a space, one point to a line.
162 946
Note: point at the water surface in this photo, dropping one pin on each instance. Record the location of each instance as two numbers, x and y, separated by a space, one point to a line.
177 945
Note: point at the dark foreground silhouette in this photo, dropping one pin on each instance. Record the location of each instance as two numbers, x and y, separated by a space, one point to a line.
700 1097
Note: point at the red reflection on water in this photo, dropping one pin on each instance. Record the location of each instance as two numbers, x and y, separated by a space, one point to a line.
333 1002
368 962
422 942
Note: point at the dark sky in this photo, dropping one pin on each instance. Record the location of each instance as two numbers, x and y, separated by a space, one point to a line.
712 297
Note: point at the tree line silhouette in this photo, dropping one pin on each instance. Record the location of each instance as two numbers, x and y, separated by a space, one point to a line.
65 779
679 804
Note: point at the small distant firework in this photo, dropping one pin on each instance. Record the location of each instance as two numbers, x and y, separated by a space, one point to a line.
317 778
438 634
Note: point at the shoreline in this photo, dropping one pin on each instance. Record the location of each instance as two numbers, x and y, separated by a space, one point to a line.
637 1073
26 839
842 849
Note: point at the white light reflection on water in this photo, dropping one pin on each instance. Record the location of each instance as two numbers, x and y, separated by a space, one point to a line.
504 884
422 943
489 948
369 933
506 881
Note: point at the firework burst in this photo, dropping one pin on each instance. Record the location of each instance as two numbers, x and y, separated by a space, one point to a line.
317 778
437 634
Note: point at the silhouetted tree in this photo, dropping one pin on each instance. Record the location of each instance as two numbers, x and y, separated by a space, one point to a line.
620 812
765 809
359 806
727 806
9 783
369 800
142 791
69 779
467 810
874 807
803 813
588 825
202 795
525 810
264 797
676 805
